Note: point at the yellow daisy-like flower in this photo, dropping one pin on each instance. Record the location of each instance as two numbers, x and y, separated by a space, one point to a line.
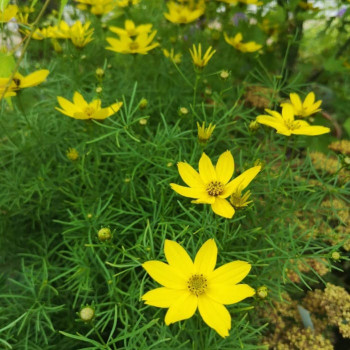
174 57
204 133
197 58
21 82
141 44
189 285
126 3
80 109
285 123
182 14
80 34
306 108
131 29
236 42
8 13
212 185
247 2
99 7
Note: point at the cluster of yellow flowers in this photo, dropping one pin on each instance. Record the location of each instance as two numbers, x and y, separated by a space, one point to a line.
80 34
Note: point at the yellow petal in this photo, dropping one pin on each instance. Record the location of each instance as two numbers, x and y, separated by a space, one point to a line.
230 273
296 102
312 130
182 308
178 257
34 78
188 191
241 181
269 121
309 100
206 169
114 108
225 167
215 315
79 101
229 294
223 208
205 199
165 274
189 175
162 297
205 260
101 114
68 106
288 113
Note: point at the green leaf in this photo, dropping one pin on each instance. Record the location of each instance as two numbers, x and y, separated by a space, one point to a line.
63 4
3 4
7 64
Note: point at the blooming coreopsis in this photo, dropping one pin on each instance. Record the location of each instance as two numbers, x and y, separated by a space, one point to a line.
212 185
236 42
182 14
130 29
197 58
247 2
286 124
8 13
141 44
204 133
174 57
21 82
189 285
80 109
99 7
306 108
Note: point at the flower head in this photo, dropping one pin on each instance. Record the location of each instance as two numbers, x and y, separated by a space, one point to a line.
247 2
21 82
126 3
285 123
212 185
174 57
236 42
188 285
80 34
204 133
8 13
72 154
99 7
306 108
80 109
197 58
130 29
182 14
141 44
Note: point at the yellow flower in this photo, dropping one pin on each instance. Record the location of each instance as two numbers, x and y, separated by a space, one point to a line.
72 154
286 125
236 42
247 2
80 109
204 133
189 285
174 57
126 3
238 200
197 58
182 14
306 108
80 35
21 82
131 29
8 13
141 44
211 185
99 7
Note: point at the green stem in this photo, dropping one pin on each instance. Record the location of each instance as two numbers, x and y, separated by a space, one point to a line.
195 90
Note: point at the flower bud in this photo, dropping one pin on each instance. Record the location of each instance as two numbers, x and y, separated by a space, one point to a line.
87 313
104 234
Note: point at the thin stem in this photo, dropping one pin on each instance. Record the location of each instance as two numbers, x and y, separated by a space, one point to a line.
182 75
195 90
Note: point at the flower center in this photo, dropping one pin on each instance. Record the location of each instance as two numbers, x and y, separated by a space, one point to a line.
89 111
197 284
292 125
17 82
132 32
215 188
134 46
182 19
